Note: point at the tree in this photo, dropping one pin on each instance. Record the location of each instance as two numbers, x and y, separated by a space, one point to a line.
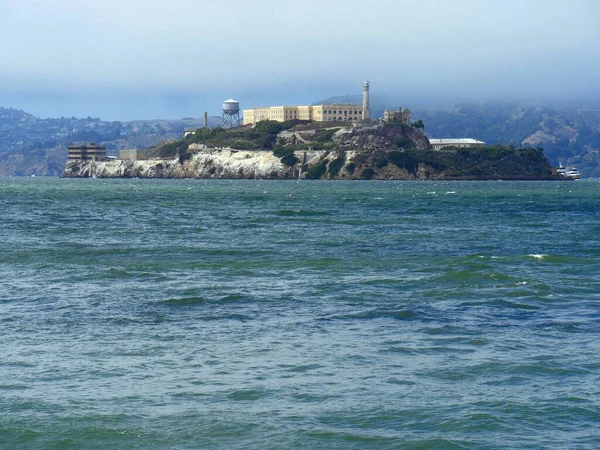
419 124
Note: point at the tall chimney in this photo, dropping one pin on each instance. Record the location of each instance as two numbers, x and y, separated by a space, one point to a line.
366 113
205 119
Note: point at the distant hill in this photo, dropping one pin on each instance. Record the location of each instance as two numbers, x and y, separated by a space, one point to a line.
571 135
33 146
568 134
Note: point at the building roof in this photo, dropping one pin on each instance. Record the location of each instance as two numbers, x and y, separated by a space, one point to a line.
456 141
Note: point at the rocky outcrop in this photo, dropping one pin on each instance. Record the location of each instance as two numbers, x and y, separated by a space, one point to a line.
381 152
382 137
207 163
351 165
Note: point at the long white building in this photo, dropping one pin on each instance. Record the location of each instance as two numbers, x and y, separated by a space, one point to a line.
460 143
318 113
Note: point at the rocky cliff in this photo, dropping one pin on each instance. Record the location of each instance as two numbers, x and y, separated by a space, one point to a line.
366 164
208 163
385 151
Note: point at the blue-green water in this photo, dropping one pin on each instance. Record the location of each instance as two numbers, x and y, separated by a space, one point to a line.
262 314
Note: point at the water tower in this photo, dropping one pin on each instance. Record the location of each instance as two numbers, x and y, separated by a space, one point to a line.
231 113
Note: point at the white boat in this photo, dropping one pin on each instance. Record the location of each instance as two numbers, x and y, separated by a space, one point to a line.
568 172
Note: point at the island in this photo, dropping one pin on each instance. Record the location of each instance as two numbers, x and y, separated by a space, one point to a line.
304 149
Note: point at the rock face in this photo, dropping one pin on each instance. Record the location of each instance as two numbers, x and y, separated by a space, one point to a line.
383 152
209 163
350 165
344 161
382 137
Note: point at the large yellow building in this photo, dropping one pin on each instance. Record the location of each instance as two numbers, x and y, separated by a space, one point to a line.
318 113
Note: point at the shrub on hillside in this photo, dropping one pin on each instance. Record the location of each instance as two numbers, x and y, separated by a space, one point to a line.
404 160
283 151
289 160
243 145
336 165
324 135
317 171
367 173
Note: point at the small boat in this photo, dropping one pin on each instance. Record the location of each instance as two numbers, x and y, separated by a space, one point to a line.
568 172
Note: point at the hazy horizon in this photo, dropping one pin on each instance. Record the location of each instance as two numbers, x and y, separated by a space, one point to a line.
146 60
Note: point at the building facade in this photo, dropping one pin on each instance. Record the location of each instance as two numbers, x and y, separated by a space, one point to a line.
87 152
391 116
438 144
133 154
318 113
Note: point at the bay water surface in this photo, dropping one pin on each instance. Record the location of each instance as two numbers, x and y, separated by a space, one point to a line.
281 314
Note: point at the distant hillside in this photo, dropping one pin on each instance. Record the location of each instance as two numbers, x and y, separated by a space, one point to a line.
33 146
570 135
567 135
29 145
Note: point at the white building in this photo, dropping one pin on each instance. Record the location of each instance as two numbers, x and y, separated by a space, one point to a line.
459 143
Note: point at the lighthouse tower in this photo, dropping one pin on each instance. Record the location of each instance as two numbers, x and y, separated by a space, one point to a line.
366 112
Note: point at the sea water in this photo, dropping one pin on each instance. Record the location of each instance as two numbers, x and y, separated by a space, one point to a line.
299 314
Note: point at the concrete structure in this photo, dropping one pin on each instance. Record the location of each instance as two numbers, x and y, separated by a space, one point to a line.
133 154
389 115
87 152
366 109
318 113
460 143
231 113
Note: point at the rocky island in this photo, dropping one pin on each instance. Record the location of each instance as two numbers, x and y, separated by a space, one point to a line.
310 150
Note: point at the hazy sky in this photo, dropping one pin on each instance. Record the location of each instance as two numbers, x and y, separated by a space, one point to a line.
126 59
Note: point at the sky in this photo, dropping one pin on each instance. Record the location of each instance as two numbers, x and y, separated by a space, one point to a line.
148 59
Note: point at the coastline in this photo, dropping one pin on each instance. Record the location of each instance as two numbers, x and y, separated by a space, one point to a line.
313 164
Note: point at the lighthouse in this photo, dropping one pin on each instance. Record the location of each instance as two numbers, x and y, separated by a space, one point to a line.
366 113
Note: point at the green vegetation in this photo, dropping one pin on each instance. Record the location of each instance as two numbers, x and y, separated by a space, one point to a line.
336 165
173 148
367 174
289 160
283 151
404 160
570 135
493 162
242 145
380 159
325 135
419 124
261 137
287 156
317 171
